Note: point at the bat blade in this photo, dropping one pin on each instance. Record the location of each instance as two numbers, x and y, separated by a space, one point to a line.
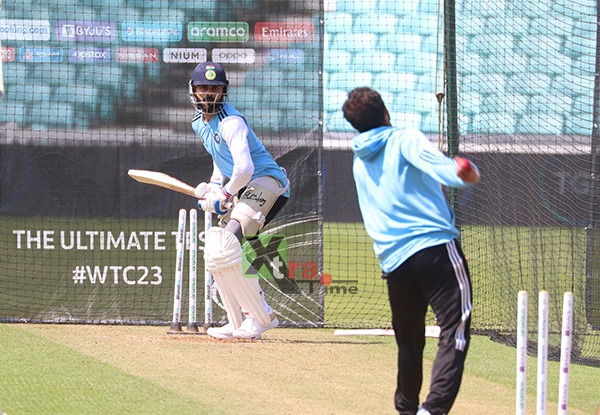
161 179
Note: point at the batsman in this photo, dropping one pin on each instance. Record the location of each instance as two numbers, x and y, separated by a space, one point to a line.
246 190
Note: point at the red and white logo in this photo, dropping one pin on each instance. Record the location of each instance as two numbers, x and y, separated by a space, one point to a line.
284 32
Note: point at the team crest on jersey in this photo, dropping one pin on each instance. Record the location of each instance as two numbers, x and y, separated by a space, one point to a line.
217 138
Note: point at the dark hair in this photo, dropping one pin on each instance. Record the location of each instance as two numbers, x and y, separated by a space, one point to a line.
364 109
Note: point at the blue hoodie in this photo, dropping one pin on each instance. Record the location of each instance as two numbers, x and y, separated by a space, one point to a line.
398 175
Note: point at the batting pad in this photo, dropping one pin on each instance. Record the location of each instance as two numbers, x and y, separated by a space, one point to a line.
223 257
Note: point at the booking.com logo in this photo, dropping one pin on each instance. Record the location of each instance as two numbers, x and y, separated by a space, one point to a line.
267 257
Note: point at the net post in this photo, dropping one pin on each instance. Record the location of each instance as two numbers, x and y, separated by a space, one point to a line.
565 353
542 350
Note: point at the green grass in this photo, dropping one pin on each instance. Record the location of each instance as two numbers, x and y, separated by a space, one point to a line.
73 369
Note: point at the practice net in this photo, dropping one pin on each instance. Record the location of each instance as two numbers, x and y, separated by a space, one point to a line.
92 89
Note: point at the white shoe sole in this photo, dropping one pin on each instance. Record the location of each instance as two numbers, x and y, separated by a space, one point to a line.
241 334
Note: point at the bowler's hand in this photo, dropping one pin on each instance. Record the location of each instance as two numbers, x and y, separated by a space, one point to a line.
466 171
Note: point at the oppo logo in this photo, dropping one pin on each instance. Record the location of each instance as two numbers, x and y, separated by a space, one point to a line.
233 55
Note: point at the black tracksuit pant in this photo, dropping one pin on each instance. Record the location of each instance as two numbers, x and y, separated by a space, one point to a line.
437 276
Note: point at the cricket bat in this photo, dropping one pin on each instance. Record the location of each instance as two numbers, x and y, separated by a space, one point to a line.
163 180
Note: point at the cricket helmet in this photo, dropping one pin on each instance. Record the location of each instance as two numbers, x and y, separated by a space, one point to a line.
208 73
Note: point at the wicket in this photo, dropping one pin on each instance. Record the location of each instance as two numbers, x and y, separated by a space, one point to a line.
192 326
542 352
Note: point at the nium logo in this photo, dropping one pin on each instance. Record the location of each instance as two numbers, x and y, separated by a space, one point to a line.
218 31
184 55
231 55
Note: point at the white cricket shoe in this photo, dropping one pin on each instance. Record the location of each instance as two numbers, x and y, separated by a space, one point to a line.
223 333
423 411
251 329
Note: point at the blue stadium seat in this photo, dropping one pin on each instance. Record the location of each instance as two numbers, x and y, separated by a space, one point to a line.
431 123
114 4
244 97
406 119
559 64
354 42
265 120
573 85
529 84
338 22
399 8
474 26
300 120
582 104
579 46
165 15
484 8
579 123
504 64
544 46
53 73
347 81
493 123
74 12
400 42
584 26
425 25
584 65
528 9
374 23
492 44
482 82
418 62
577 10
118 15
558 25
470 103
15 72
541 124
431 82
355 7
26 10
291 99
335 122
336 60
395 82
333 99
374 61
510 103
550 104
517 26
259 78
415 101
471 63
29 92
15 112
53 114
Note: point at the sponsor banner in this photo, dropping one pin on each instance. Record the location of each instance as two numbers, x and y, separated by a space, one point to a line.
137 55
149 32
232 55
17 29
84 31
40 54
184 55
218 32
7 54
89 55
284 56
284 32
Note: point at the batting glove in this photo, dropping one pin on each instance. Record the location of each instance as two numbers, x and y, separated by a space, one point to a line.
218 202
